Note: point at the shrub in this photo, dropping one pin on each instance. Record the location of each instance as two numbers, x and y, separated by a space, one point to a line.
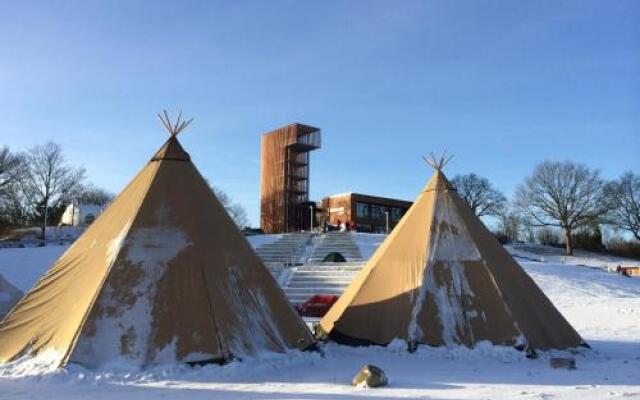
624 248
588 239
548 237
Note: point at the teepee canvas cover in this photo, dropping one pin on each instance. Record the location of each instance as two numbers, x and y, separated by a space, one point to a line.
163 275
442 278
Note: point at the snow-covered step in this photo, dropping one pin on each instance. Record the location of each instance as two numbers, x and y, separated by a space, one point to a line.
321 274
298 298
340 242
319 278
330 246
318 285
328 269
296 280
327 278
316 290
333 264
288 249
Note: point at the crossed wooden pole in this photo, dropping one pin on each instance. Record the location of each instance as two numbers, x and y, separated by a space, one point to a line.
436 163
177 127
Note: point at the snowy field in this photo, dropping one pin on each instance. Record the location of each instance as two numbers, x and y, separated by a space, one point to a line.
602 306
579 257
22 267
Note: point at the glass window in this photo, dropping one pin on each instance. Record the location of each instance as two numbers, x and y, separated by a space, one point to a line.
377 212
397 213
362 210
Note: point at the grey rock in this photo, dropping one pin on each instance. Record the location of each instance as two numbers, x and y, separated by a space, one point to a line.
370 376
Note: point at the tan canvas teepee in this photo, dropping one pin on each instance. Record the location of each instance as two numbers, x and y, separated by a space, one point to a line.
442 278
163 275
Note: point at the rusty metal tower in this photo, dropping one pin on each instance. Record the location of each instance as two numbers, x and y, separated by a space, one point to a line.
284 177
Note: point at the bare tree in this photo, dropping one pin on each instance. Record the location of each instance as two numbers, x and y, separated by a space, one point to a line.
91 194
622 197
14 210
562 194
511 223
479 194
11 169
48 180
239 215
235 210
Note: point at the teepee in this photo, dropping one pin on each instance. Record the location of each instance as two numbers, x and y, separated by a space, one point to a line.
441 278
163 275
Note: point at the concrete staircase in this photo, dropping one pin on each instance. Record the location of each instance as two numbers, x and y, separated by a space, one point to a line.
318 278
341 242
295 260
288 250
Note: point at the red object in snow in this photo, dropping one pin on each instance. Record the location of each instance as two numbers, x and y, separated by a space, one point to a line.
628 271
317 305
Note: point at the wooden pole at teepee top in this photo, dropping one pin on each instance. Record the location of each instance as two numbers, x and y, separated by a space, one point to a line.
436 163
173 129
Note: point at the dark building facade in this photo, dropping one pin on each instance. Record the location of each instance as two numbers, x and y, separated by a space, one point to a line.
284 178
363 212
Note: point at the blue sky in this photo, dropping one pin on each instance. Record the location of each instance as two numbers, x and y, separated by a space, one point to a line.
501 84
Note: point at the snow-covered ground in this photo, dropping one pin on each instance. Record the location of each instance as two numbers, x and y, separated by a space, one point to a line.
30 237
22 267
579 257
602 306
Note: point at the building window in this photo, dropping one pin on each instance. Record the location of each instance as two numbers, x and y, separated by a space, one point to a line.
377 212
362 210
397 213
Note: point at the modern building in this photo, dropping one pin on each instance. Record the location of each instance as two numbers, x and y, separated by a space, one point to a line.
363 212
284 178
